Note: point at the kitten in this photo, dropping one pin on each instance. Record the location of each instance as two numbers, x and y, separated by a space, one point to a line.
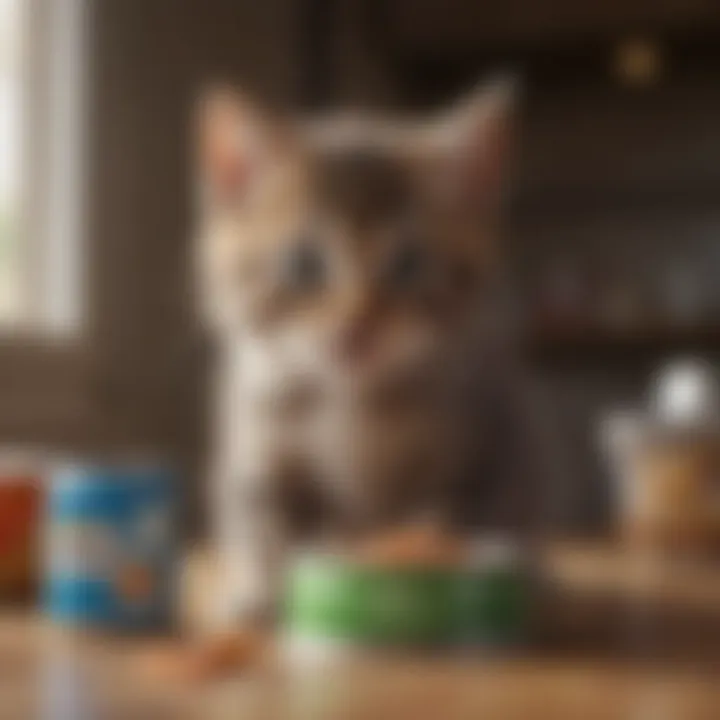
346 267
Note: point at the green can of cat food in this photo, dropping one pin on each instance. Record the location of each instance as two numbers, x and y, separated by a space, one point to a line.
482 601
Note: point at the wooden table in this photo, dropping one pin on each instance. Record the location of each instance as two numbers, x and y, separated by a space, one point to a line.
620 640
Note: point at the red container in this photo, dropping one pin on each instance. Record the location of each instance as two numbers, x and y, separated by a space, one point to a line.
20 498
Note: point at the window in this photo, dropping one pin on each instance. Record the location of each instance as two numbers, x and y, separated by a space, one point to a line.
41 142
99 362
10 157
42 139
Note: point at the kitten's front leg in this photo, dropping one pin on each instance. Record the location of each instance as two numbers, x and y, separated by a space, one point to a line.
252 544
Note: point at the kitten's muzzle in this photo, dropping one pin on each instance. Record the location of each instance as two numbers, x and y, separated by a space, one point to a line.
356 339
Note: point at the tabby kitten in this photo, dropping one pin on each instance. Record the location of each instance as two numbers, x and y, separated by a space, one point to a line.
345 267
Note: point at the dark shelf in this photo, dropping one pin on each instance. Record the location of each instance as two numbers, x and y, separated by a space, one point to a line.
588 346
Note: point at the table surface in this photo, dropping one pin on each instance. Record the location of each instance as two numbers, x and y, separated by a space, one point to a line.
622 640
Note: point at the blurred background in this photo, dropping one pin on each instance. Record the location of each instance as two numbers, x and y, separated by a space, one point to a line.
612 235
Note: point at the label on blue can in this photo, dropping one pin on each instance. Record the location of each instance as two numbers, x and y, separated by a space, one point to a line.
110 547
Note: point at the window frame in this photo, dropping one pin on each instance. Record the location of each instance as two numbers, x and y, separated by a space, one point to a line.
44 369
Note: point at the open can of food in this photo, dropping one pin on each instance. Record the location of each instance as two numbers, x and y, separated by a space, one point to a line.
481 599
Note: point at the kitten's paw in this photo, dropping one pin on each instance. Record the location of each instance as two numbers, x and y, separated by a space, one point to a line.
212 658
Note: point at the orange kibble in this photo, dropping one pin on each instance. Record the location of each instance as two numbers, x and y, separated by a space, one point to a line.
421 544
211 659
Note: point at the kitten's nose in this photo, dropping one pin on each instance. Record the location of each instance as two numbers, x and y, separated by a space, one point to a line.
355 338
352 343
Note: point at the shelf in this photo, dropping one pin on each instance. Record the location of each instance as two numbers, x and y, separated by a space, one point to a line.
587 345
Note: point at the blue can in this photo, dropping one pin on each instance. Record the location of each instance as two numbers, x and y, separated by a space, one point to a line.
111 547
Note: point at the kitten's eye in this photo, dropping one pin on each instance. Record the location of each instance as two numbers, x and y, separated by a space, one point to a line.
406 266
304 266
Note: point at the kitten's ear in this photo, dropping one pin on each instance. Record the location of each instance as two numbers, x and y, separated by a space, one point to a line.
234 141
477 137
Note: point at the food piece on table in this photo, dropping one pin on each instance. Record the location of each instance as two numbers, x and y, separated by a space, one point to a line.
210 659
417 544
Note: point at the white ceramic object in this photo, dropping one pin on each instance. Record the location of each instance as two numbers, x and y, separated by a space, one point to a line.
686 393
